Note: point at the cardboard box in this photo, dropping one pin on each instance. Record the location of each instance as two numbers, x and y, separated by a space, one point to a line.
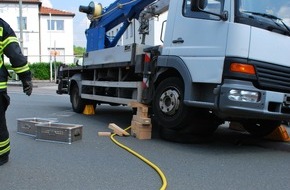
59 132
27 126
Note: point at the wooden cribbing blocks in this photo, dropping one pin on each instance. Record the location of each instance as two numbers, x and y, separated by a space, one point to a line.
142 120
142 109
141 126
141 131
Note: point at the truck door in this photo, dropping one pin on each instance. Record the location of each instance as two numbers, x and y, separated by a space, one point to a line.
198 38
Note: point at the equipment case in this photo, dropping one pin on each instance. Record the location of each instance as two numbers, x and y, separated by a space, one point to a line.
27 126
59 132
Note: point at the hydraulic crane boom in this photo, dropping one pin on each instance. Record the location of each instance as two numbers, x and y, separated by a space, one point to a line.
121 11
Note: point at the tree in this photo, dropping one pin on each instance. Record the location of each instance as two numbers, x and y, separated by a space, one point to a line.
79 51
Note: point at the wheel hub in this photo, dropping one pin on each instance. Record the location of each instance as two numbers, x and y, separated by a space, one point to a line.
169 102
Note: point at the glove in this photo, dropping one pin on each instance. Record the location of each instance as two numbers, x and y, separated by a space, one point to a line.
27 87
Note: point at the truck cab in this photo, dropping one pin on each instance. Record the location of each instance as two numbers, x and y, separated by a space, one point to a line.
232 59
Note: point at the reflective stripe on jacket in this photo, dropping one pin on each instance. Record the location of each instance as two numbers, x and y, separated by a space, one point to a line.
4 146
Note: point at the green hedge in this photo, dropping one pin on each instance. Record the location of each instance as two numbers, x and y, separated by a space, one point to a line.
40 71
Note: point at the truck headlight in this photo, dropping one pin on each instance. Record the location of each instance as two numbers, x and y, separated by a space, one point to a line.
244 96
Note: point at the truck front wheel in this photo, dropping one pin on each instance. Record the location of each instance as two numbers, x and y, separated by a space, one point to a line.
78 104
168 107
176 120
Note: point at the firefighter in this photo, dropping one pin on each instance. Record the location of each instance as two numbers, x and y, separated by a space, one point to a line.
10 47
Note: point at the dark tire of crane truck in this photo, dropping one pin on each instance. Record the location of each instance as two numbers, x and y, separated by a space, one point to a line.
78 104
176 121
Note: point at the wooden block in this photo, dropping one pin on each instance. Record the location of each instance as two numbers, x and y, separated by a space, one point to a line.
142 120
145 135
142 113
140 126
141 131
142 109
135 104
133 130
104 134
119 131
142 135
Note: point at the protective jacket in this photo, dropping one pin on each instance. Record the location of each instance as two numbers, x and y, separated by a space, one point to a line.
10 47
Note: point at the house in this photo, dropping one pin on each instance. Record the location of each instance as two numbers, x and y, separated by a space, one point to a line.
47 33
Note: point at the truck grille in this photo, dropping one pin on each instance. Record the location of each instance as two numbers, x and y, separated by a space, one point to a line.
273 77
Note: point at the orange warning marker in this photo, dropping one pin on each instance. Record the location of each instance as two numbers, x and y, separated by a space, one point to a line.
89 110
279 134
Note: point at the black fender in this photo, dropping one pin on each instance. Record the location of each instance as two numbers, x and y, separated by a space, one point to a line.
175 62
75 79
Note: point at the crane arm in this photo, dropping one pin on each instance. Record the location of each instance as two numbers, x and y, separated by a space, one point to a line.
103 20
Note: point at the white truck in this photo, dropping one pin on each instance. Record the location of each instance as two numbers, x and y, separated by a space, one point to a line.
221 60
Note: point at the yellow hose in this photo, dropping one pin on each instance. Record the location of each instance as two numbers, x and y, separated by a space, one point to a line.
162 176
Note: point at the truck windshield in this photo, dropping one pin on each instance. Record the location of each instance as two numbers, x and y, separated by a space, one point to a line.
273 15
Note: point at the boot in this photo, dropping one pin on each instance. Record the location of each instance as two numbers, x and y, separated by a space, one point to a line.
4 159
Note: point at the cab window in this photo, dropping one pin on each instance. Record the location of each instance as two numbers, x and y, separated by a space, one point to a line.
210 6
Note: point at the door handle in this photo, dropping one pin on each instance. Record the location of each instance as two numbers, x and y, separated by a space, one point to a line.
178 40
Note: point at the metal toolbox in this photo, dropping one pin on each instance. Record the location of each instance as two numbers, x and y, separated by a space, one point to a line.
27 126
59 132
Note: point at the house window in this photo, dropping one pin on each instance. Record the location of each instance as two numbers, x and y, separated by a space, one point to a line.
55 24
24 23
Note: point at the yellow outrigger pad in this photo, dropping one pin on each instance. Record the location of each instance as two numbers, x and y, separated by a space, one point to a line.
280 134
89 110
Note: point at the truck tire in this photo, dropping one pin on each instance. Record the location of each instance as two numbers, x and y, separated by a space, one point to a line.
78 104
168 108
260 128
176 120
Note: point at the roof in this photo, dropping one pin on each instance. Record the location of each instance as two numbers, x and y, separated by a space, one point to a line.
23 1
47 11
43 10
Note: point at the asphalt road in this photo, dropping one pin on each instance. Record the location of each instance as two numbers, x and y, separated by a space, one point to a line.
229 160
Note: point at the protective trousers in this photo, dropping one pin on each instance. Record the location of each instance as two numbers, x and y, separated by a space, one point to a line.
4 134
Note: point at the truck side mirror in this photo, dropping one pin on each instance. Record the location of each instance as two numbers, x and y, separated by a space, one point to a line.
198 5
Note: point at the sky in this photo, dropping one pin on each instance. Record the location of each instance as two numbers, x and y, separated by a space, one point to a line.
81 22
